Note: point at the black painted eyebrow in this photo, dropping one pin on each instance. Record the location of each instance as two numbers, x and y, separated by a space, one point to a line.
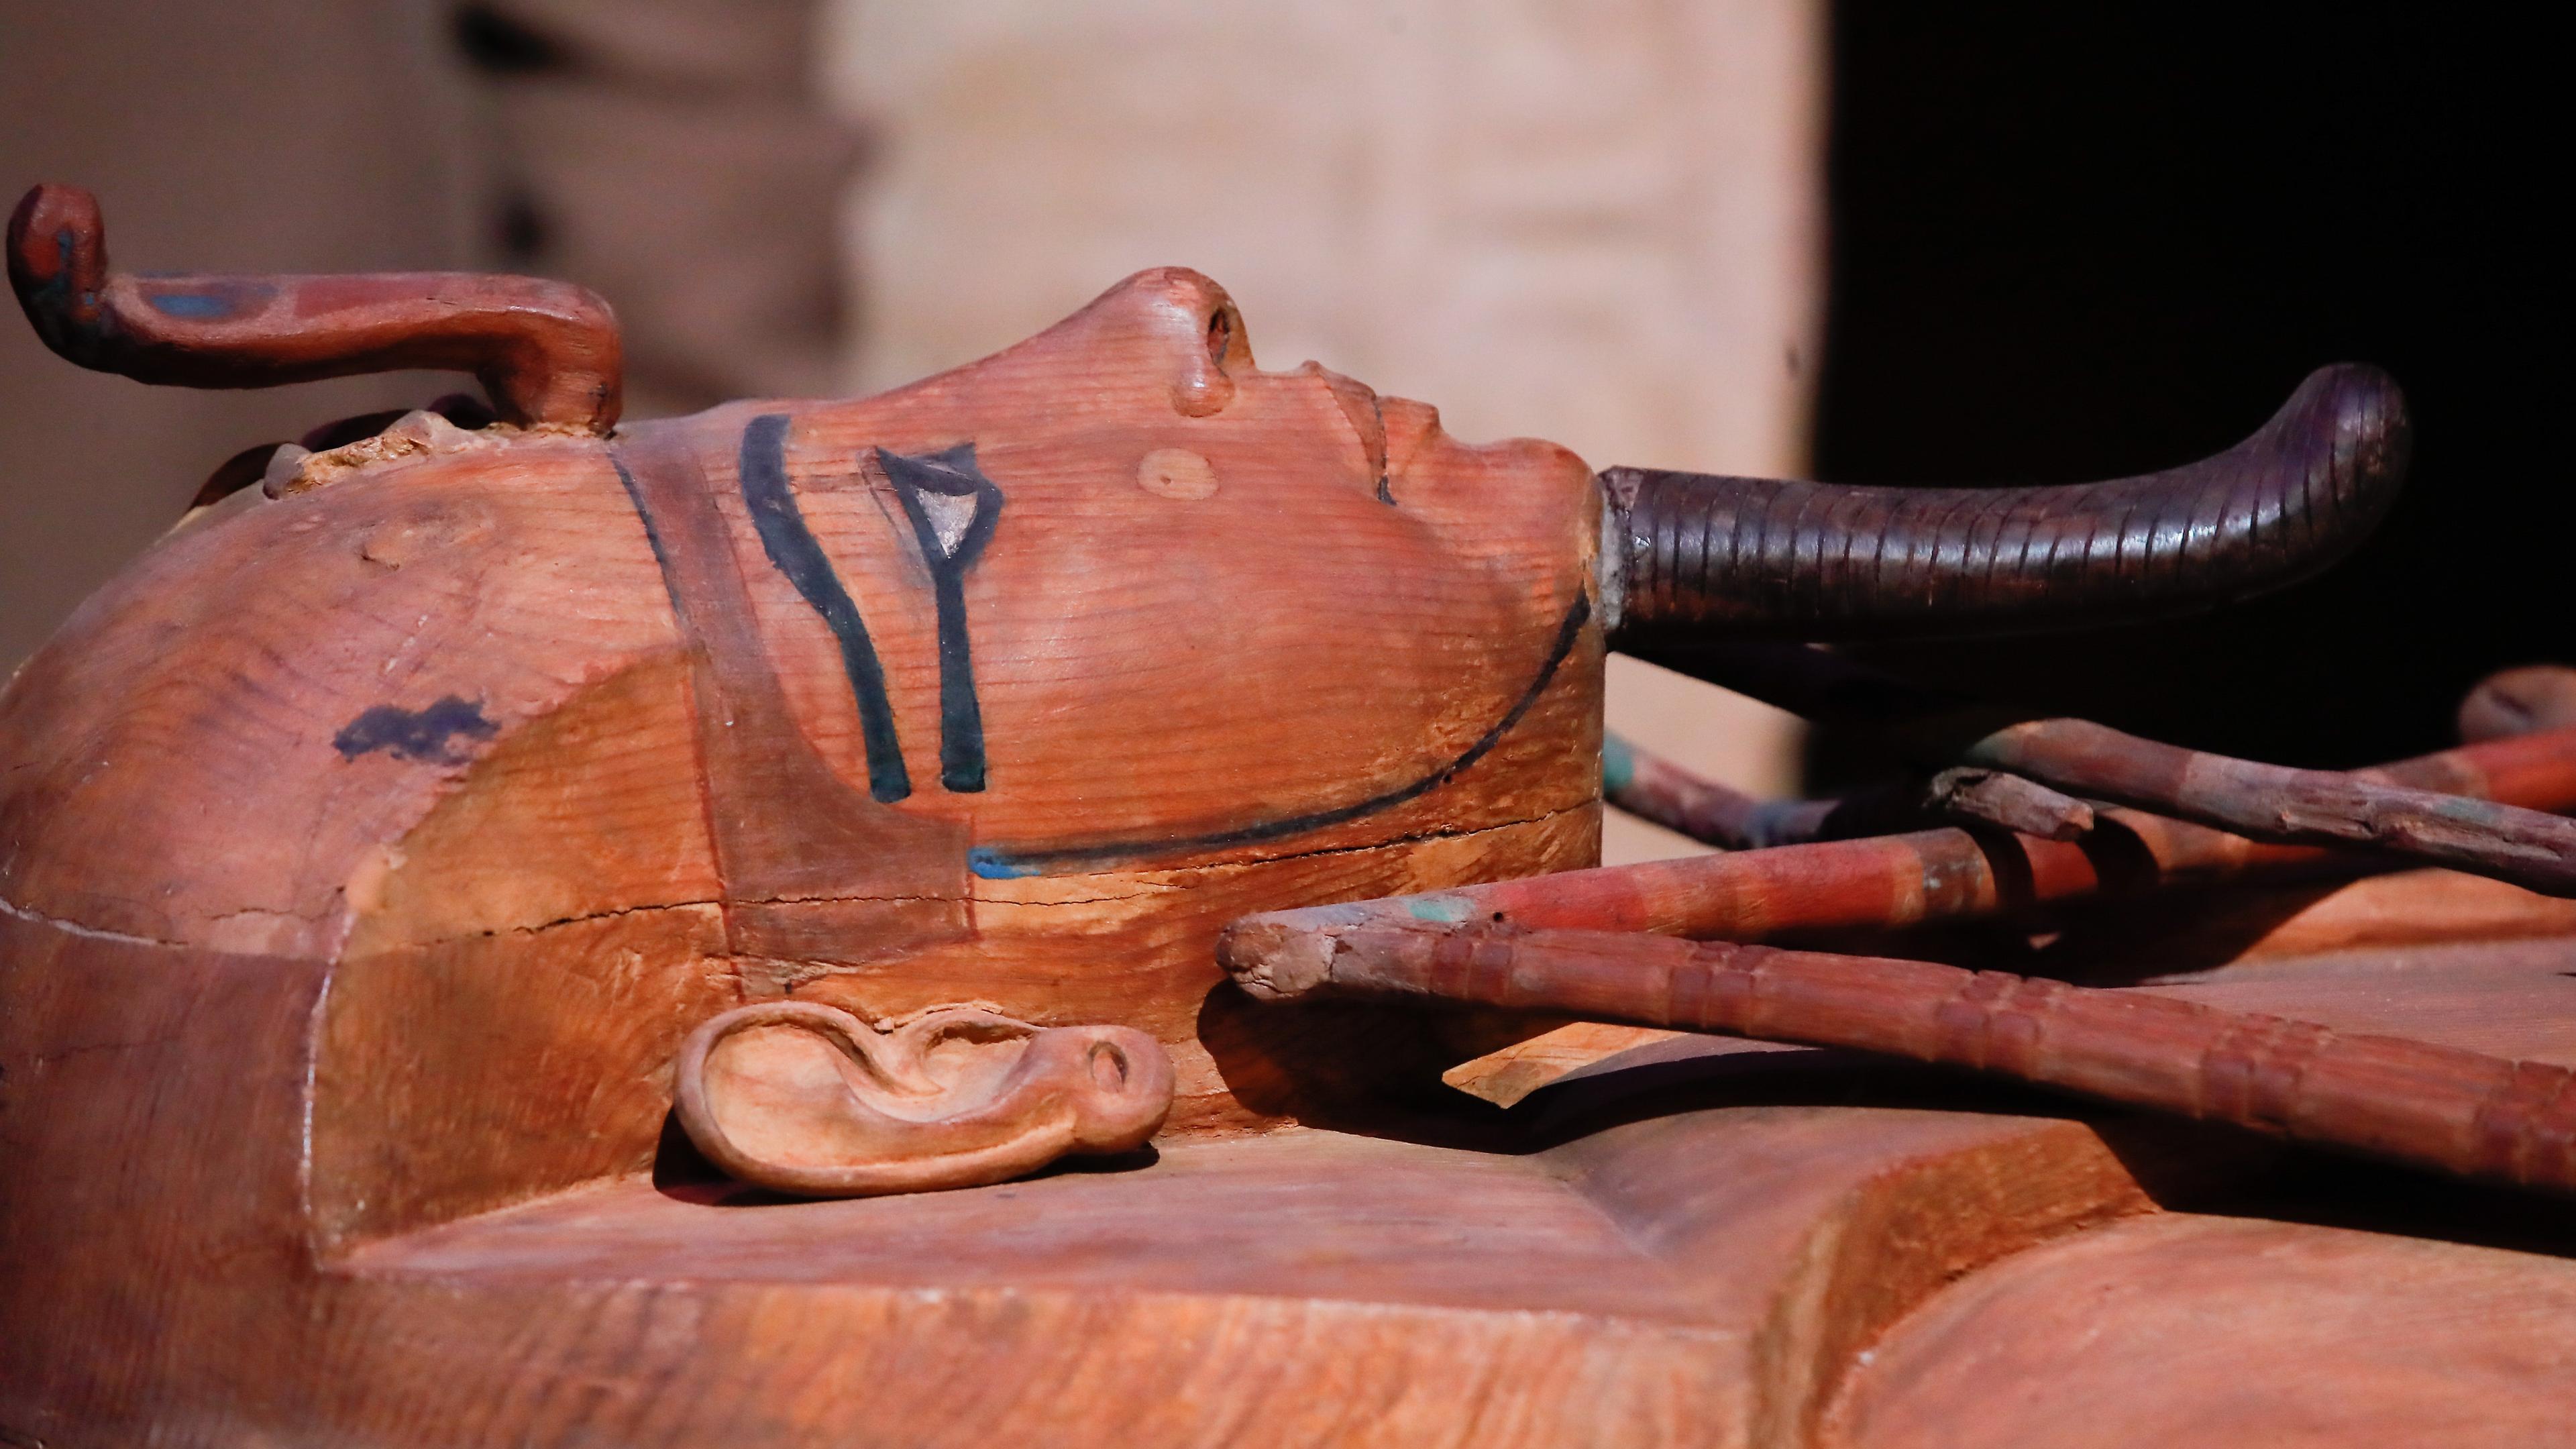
791 546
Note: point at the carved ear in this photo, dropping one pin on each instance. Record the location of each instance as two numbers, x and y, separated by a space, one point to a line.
809 1099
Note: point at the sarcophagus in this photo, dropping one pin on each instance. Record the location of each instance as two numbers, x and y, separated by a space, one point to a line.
472 890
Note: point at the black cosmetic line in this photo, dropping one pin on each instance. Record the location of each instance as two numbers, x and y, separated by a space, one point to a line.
1384 495
950 474
1001 862
791 546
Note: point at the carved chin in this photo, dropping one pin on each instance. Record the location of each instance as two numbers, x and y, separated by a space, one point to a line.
809 1099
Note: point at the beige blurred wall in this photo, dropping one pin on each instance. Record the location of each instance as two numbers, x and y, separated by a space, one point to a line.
1597 223
673 156
264 135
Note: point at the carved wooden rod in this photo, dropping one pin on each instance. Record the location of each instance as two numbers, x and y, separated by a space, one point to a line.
2432 1106
1946 874
1657 790
2268 802
547 352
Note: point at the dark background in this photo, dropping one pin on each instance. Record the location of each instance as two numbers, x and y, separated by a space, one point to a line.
2075 241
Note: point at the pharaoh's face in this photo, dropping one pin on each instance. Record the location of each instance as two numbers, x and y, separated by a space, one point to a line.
1135 601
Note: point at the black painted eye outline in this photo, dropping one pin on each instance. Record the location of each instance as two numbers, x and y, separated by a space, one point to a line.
1385 495
793 550
951 473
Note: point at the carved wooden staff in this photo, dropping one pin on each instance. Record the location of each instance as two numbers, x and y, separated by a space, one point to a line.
1944 874
2268 802
1655 789
2454 1111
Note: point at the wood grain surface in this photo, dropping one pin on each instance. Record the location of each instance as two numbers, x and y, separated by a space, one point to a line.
492 694
367 852
1663 1281
2250 1332
1691 1247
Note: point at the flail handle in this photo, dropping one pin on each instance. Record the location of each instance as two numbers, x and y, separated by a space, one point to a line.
546 352
2454 1111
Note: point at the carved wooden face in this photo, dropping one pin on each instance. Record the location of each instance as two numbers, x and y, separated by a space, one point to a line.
1011 686
1134 601
1033 673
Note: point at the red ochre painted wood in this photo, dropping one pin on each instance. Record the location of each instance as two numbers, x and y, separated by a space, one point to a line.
1708 1275
371 849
